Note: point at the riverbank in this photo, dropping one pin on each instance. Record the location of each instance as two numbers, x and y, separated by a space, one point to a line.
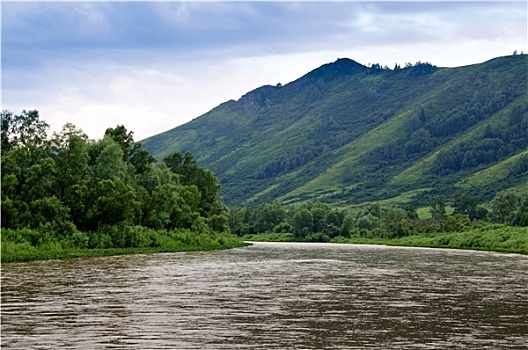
497 238
23 251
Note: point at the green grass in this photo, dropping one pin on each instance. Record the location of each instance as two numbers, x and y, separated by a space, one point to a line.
498 238
270 237
24 251
425 212
492 174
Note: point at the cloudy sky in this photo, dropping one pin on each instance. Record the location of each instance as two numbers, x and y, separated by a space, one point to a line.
152 66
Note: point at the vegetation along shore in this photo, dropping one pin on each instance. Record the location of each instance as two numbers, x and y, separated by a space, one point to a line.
67 196
502 227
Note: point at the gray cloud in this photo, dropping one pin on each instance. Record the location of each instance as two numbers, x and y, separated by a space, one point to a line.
127 59
32 32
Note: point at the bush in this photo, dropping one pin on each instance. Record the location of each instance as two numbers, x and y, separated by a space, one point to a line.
317 237
80 240
100 240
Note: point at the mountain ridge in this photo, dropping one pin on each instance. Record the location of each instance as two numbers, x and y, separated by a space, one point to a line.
346 130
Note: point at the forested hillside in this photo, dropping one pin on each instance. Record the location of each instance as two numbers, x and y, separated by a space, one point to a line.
348 134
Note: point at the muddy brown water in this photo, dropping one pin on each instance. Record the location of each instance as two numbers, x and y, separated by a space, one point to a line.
270 296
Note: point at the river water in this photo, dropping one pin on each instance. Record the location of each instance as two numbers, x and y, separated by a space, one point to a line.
270 296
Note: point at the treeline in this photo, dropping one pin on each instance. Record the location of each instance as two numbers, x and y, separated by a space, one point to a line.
67 191
427 130
321 222
495 144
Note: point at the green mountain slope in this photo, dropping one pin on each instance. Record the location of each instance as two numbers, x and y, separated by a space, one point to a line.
347 134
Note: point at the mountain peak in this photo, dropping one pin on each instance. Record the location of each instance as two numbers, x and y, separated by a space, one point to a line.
341 67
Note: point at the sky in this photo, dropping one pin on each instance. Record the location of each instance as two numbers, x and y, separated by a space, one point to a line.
152 66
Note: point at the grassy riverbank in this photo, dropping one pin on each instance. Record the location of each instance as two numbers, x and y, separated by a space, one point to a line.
499 238
17 245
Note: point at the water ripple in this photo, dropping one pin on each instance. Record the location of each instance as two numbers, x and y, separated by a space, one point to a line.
270 296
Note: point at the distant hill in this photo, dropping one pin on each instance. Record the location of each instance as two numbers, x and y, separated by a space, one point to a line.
347 134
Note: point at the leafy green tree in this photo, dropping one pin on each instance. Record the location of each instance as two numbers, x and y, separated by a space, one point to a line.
319 212
41 180
190 174
438 209
141 159
456 223
268 216
162 206
521 216
219 222
24 144
302 222
334 222
9 211
185 166
367 222
24 130
375 210
409 210
123 137
48 210
209 187
241 221
115 204
187 210
72 158
109 164
465 204
159 174
78 199
395 223
174 162
348 227
503 207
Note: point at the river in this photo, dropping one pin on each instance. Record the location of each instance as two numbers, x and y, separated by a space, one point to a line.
270 296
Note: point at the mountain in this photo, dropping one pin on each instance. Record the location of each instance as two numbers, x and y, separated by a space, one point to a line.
346 133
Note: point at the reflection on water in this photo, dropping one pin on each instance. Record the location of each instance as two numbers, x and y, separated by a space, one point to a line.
270 296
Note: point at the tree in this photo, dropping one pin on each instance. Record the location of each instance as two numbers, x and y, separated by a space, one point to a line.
438 209
185 166
159 174
48 210
395 223
9 211
190 174
41 180
302 222
209 188
161 207
174 162
503 207
115 204
367 222
24 130
53 187
109 164
464 204
141 159
124 138
72 158
268 216
349 225
521 216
